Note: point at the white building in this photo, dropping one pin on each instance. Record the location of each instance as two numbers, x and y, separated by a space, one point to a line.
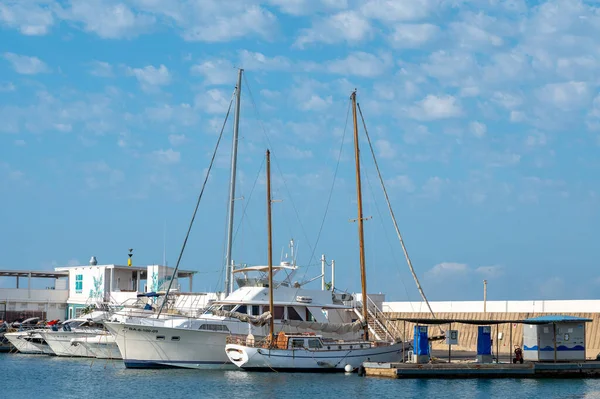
23 301
91 284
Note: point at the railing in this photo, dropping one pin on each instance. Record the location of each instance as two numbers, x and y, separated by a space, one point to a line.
379 320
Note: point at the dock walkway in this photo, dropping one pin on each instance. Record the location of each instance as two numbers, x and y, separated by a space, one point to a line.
479 370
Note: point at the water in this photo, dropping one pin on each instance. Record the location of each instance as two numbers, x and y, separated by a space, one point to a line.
45 376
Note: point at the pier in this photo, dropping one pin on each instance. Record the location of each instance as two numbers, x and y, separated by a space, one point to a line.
590 369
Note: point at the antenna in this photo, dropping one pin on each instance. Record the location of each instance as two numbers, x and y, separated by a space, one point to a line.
164 262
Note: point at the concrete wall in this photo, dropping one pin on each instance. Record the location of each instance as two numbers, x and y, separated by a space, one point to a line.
467 337
496 306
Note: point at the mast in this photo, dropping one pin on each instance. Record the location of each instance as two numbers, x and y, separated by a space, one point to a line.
234 145
270 250
361 235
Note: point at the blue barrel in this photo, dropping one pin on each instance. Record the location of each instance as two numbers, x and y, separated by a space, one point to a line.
484 340
421 341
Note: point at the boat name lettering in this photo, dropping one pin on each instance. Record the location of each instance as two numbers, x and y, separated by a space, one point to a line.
147 330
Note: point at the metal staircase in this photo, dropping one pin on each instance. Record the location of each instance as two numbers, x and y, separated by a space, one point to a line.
380 327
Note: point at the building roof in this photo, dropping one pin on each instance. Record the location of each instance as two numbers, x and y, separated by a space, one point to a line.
143 269
39 274
555 319
431 321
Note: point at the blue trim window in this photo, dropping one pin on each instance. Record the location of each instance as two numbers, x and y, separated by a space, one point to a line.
78 283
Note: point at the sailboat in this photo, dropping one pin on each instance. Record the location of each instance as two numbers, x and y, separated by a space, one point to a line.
308 351
199 343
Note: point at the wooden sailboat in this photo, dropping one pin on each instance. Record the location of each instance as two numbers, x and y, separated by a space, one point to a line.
311 352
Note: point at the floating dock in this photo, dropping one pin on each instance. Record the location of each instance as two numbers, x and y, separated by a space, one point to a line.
480 370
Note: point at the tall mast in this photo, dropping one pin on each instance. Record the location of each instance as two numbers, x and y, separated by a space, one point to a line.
234 145
361 234
270 250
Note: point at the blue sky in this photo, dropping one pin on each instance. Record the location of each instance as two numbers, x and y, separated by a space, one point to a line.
485 117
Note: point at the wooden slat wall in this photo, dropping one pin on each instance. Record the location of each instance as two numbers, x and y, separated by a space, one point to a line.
467 336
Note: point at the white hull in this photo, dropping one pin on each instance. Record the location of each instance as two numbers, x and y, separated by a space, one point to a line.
317 360
139 347
101 346
21 344
60 342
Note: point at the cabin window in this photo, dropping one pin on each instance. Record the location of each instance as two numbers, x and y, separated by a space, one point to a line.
292 314
160 337
213 327
255 310
309 316
242 309
278 313
228 308
78 283
175 338
314 343
297 343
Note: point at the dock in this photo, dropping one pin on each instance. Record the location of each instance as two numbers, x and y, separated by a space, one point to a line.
588 369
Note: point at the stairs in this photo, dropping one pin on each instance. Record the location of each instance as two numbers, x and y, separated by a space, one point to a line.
380 328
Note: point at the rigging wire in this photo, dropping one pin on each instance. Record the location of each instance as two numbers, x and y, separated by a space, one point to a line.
212 160
337 166
274 157
387 199
385 234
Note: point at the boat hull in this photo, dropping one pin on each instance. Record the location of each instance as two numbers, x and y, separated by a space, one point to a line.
29 343
194 349
60 343
101 346
307 360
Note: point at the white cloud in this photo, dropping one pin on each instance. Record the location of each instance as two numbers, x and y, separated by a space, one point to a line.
213 22
412 35
177 139
167 156
293 152
315 103
258 61
30 17
307 7
478 129
109 21
99 174
385 149
349 26
401 182
26 65
20 143
433 187
446 269
397 10
490 271
436 107
536 139
361 64
151 77
6 87
212 101
101 69
215 72
566 96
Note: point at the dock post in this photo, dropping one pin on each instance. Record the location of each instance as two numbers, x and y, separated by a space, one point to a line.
497 344
510 349
404 340
450 346
554 331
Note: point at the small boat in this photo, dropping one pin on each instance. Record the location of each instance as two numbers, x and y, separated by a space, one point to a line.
311 353
101 346
290 352
29 342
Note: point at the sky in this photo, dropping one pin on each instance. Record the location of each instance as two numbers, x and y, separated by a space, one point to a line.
484 116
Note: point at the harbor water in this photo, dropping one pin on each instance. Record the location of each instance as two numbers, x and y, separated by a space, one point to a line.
72 378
